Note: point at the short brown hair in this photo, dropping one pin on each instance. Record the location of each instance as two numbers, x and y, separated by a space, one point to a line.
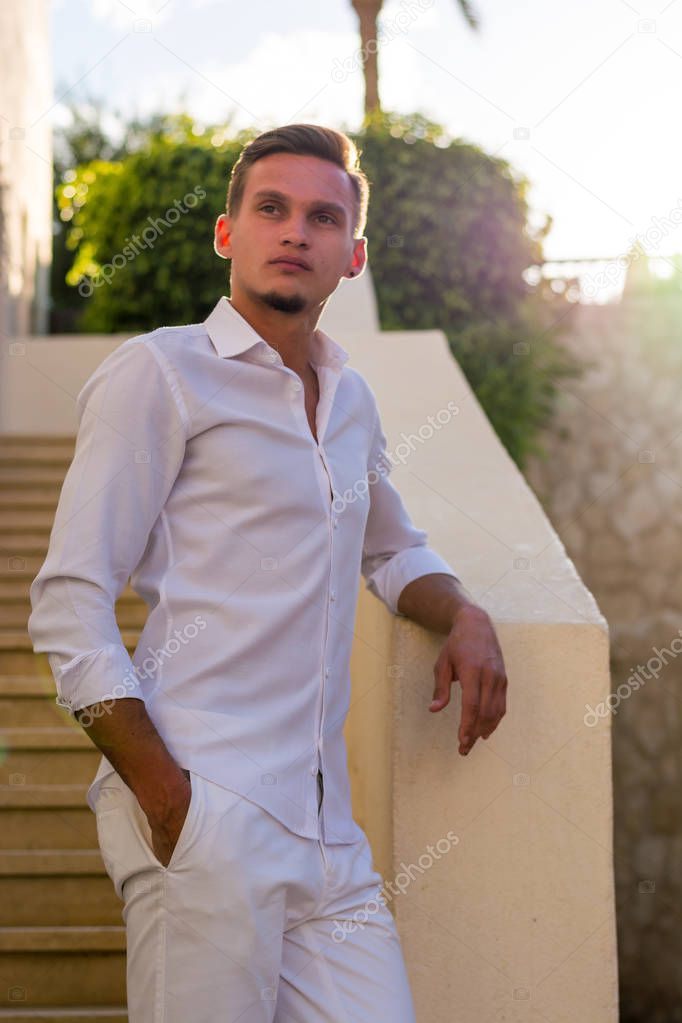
304 140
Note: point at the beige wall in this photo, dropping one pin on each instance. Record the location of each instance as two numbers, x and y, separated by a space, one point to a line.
516 920
40 378
25 166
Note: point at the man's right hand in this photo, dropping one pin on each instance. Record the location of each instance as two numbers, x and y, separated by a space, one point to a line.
166 827
123 731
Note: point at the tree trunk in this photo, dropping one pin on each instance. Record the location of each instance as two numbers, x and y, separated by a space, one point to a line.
368 15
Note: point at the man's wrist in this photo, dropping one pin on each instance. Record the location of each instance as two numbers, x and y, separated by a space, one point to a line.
158 795
435 600
467 609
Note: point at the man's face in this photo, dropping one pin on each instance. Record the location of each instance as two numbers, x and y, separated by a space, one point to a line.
310 219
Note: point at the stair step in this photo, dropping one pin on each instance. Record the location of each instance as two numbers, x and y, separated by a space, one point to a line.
21 568
23 476
34 712
14 639
29 439
47 756
88 1014
48 828
26 685
19 711
30 497
19 639
62 939
39 519
48 965
58 766
131 612
54 887
48 816
23 662
50 862
51 869
14 613
21 544
52 738
36 454
41 797
14 588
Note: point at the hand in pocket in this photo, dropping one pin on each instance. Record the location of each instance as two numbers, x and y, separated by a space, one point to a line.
166 830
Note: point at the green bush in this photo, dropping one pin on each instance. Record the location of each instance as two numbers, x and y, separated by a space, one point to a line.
448 246
142 234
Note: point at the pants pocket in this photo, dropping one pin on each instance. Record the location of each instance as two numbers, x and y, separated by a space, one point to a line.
187 832
117 844
125 836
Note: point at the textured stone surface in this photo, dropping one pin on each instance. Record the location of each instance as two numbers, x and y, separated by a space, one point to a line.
624 459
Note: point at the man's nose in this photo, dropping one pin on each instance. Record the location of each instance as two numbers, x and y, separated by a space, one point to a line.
295 230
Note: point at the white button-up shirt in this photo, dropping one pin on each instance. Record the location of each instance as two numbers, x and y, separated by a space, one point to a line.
196 476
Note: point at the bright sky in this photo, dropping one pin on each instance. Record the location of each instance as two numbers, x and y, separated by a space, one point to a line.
580 97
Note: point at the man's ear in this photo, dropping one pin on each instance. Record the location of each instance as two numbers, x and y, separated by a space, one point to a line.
359 257
222 237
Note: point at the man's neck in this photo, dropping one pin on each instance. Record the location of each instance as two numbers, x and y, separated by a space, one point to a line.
293 342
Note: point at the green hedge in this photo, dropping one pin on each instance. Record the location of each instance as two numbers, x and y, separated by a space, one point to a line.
448 245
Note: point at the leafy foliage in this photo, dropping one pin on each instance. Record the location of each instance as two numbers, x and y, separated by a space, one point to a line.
449 247
448 242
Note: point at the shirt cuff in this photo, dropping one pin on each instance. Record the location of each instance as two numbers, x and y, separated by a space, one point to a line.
392 577
95 677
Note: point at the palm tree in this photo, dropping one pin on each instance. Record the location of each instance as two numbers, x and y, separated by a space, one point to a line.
368 14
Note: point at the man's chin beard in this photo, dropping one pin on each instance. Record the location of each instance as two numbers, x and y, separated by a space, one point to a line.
283 303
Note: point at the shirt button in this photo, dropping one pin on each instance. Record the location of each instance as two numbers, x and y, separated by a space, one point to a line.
297 386
272 356
313 769
327 672
332 595
336 523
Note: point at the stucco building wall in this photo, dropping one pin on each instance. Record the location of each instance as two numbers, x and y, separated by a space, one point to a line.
25 167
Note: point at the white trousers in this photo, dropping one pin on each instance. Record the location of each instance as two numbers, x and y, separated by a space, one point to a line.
249 922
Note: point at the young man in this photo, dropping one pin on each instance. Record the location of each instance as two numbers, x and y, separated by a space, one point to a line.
224 467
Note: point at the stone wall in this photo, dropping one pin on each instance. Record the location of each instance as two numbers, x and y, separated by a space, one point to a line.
612 486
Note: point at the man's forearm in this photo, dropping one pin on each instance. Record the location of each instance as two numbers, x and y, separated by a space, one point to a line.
434 600
123 731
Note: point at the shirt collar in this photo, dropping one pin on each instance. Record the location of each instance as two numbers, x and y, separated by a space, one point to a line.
231 335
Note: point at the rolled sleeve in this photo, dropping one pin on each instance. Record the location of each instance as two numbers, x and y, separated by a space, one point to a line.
395 551
129 449
79 680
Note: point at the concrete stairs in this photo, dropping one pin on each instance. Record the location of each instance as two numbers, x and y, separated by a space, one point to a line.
62 939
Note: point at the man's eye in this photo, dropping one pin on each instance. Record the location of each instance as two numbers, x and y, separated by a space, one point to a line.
270 205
